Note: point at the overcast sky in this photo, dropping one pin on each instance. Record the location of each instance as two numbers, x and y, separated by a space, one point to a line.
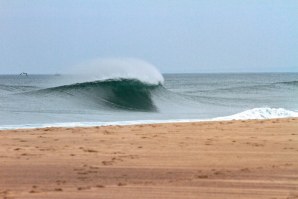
48 36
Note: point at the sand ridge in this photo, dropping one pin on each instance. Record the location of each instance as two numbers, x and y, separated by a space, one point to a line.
228 159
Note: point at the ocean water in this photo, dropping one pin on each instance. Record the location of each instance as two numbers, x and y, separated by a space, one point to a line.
73 100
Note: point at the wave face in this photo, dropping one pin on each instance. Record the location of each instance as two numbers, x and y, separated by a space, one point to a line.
126 94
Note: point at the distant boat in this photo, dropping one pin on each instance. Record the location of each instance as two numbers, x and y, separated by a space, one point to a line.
21 74
57 74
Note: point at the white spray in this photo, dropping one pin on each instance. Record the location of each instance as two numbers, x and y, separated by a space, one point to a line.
119 68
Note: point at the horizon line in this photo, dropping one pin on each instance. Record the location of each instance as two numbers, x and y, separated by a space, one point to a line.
166 73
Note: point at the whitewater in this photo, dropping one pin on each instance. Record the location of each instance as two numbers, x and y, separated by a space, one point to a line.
129 91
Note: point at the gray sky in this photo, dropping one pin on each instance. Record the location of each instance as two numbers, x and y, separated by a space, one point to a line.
48 36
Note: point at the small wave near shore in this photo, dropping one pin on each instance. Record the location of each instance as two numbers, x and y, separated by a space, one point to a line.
252 114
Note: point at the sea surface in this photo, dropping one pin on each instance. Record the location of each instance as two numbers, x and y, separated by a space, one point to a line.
73 100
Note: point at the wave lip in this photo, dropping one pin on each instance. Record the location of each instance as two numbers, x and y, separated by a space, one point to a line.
261 113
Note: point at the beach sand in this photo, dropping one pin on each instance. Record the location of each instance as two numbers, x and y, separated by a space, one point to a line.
230 159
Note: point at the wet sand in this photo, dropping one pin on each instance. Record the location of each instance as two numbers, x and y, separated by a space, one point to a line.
232 159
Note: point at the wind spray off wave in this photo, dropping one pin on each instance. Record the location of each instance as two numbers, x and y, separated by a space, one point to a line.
125 68
126 84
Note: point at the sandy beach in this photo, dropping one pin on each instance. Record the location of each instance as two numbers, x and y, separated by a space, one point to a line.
231 159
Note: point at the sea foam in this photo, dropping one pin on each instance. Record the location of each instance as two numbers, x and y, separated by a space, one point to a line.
261 113
256 113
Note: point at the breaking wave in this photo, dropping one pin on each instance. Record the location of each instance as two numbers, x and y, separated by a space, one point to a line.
261 113
256 113
129 91
127 94
125 83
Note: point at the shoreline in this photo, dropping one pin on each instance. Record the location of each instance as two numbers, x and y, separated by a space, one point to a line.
208 159
126 123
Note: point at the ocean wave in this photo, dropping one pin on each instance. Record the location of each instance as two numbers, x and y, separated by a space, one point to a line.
294 83
127 94
261 113
126 84
256 113
249 88
14 88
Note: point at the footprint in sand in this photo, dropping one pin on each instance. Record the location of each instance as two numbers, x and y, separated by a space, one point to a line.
59 182
82 178
106 132
83 188
121 184
202 176
107 163
4 194
88 150
82 173
93 167
245 170
218 173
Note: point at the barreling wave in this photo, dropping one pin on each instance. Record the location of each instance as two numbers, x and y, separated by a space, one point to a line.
126 94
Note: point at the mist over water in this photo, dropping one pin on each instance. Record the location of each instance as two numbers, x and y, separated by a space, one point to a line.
118 68
139 92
